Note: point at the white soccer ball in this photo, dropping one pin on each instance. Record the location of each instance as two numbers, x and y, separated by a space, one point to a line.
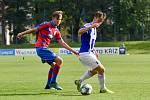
86 89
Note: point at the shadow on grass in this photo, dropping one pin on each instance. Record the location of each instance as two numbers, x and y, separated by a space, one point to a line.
15 94
71 93
58 93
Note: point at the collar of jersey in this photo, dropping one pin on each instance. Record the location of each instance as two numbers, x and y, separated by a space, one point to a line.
53 25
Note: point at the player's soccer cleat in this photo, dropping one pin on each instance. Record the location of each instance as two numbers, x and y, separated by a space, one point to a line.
55 86
106 91
78 84
47 86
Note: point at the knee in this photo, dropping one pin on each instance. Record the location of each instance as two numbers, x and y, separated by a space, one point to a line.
101 69
59 61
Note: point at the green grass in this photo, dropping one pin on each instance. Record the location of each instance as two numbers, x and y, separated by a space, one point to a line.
127 75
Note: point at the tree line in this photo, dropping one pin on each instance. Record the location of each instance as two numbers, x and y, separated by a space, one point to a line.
126 19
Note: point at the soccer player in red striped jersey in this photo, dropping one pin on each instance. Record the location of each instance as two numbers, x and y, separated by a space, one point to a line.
48 31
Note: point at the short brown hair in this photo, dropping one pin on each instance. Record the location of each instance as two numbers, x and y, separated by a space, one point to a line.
98 14
57 14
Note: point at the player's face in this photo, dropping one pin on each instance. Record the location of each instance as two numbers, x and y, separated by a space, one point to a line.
57 20
97 20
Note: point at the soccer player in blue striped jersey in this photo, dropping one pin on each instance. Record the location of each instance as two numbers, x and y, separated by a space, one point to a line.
88 55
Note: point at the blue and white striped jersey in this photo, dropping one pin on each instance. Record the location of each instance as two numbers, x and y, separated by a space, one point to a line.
88 39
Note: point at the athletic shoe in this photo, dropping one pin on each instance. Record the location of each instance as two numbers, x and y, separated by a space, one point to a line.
47 86
78 84
55 86
106 91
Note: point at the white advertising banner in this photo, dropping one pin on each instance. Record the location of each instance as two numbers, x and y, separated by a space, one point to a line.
60 51
100 50
108 50
25 52
65 51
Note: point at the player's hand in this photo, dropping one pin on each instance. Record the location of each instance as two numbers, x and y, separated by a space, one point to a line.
20 35
76 53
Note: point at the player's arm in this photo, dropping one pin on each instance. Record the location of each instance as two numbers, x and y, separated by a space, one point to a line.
85 29
96 53
38 28
20 35
62 43
94 25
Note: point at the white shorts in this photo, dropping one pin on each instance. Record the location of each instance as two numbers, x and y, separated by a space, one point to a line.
89 59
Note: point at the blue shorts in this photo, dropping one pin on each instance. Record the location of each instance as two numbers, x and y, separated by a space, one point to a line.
46 55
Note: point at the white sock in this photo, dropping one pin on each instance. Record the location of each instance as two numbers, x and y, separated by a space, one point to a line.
85 76
101 79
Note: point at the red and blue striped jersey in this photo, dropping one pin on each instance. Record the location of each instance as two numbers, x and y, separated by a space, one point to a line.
46 33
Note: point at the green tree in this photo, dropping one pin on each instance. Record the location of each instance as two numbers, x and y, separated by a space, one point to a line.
131 19
18 15
126 19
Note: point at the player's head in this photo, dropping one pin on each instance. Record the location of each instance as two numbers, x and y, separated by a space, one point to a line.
57 17
99 17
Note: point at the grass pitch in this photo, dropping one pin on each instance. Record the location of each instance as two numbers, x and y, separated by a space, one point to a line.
127 75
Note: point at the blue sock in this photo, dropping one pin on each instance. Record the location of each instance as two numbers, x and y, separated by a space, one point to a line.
50 75
55 73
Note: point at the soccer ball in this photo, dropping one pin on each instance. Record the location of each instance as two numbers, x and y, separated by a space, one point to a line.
86 89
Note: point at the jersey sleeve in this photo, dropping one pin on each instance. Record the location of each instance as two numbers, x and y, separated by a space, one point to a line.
58 35
42 26
85 27
82 27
